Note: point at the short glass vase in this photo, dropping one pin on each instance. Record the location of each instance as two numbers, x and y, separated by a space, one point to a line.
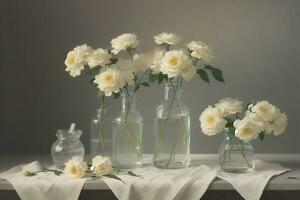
235 155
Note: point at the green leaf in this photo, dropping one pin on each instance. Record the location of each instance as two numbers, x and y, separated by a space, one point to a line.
231 130
262 135
114 177
133 174
136 88
146 84
229 125
57 173
152 77
217 73
92 81
203 75
135 77
113 61
92 72
100 94
161 77
28 173
116 95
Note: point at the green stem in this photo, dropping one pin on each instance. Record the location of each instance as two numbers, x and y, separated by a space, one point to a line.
243 154
168 114
172 154
137 137
100 137
130 53
172 101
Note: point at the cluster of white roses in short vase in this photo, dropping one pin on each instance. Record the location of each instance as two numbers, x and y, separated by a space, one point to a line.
236 153
121 71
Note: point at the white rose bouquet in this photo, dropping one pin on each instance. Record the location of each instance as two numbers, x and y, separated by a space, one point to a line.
259 119
170 64
110 73
116 70
113 74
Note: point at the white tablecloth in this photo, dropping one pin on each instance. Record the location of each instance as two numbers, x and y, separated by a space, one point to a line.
188 184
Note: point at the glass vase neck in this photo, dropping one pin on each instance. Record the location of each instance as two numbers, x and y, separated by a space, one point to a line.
230 135
128 102
173 90
63 134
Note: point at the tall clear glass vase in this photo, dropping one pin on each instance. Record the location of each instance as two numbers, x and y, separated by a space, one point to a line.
127 134
101 131
235 155
172 130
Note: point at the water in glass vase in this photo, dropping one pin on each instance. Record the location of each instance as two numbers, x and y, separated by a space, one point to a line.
101 134
235 155
127 144
127 135
173 143
101 130
172 131
105 145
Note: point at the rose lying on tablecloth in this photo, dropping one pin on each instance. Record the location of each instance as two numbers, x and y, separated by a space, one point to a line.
101 167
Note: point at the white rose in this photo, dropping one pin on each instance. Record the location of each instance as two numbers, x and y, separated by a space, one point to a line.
128 77
167 38
155 64
126 68
266 111
279 124
266 126
188 72
123 65
76 59
84 49
200 50
211 121
98 57
141 62
101 165
173 63
110 81
123 42
75 167
228 106
247 129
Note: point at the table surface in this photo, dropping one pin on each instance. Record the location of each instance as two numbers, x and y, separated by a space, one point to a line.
286 181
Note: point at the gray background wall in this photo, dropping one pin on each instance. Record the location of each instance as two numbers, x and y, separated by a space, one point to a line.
256 43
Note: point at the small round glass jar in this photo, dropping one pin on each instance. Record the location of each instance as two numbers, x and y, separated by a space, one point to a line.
66 146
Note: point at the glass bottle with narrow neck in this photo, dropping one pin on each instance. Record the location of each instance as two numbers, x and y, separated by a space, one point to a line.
235 155
101 131
127 134
172 130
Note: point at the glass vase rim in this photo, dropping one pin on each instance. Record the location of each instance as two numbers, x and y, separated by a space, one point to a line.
64 134
170 85
228 134
126 94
